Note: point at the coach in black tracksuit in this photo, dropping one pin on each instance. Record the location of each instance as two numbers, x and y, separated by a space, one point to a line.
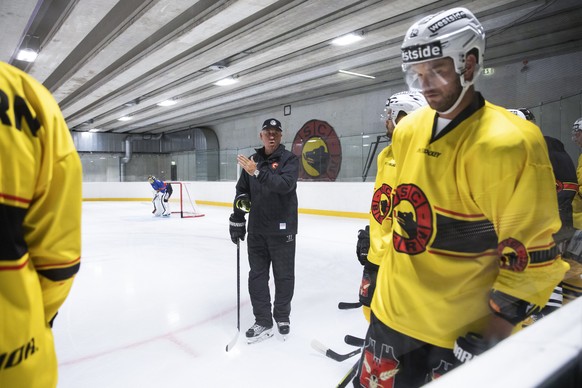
270 182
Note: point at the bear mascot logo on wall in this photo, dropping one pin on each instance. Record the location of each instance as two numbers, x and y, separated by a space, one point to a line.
318 147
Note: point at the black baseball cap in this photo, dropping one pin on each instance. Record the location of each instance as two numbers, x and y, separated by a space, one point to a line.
272 123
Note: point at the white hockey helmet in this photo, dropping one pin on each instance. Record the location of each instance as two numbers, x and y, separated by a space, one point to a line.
151 178
528 114
518 113
577 127
406 102
452 33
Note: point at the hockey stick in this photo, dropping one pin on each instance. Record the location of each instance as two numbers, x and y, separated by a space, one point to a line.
330 353
354 341
348 305
349 376
235 339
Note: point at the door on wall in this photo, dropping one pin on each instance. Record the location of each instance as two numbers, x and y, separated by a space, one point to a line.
173 172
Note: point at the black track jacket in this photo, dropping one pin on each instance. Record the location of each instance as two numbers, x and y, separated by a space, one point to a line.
273 194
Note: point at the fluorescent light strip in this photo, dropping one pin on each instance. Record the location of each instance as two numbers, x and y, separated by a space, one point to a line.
356 74
167 103
27 55
226 81
346 39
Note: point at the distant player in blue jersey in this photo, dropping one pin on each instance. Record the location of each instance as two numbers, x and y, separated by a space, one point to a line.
163 194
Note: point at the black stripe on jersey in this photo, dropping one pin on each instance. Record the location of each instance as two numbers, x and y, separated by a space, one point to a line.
538 257
570 291
464 236
12 244
58 274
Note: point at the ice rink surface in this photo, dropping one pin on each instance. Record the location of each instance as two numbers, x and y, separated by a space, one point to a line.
154 304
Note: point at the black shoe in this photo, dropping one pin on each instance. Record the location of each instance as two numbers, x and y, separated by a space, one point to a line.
258 333
283 327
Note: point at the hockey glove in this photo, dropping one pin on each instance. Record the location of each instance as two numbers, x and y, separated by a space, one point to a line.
243 202
368 284
470 346
363 245
237 227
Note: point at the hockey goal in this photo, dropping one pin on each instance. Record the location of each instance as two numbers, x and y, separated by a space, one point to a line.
182 200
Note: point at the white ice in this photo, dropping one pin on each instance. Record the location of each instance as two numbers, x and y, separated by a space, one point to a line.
154 304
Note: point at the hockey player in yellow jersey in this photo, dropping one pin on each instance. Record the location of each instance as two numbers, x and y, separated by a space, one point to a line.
374 239
472 251
577 203
40 219
572 284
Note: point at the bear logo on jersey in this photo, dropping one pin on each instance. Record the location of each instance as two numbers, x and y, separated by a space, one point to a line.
381 203
413 214
513 255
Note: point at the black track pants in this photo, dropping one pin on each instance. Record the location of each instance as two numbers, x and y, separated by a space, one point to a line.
278 251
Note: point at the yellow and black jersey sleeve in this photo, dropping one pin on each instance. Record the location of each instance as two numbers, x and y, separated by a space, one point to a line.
40 218
380 217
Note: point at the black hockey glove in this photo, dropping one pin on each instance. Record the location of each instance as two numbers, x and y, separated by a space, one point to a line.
237 227
368 284
470 346
363 245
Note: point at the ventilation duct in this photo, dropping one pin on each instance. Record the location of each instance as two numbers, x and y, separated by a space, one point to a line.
129 151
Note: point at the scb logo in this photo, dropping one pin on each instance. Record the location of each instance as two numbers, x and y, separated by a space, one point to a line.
318 147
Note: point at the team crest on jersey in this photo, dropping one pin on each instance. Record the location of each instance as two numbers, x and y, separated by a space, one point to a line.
319 150
440 370
513 255
413 214
381 203
379 371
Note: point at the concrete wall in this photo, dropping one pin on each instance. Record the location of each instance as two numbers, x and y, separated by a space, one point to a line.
345 199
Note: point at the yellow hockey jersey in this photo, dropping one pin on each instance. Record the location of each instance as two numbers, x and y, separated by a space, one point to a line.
471 213
380 217
577 202
40 219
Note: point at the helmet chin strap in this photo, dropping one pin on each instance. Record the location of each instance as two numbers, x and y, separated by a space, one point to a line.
466 85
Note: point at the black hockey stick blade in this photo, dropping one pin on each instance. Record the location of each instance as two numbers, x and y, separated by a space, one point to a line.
348 305
330 353
348 377
354 341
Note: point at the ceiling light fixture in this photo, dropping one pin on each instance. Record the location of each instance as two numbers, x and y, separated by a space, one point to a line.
356 74
27 55
348 39
226 81
167 103
94 130
124 118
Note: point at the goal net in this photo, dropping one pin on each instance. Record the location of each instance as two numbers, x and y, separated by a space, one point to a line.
182 200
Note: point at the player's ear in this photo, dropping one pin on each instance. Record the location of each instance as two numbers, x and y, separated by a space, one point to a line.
470 66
